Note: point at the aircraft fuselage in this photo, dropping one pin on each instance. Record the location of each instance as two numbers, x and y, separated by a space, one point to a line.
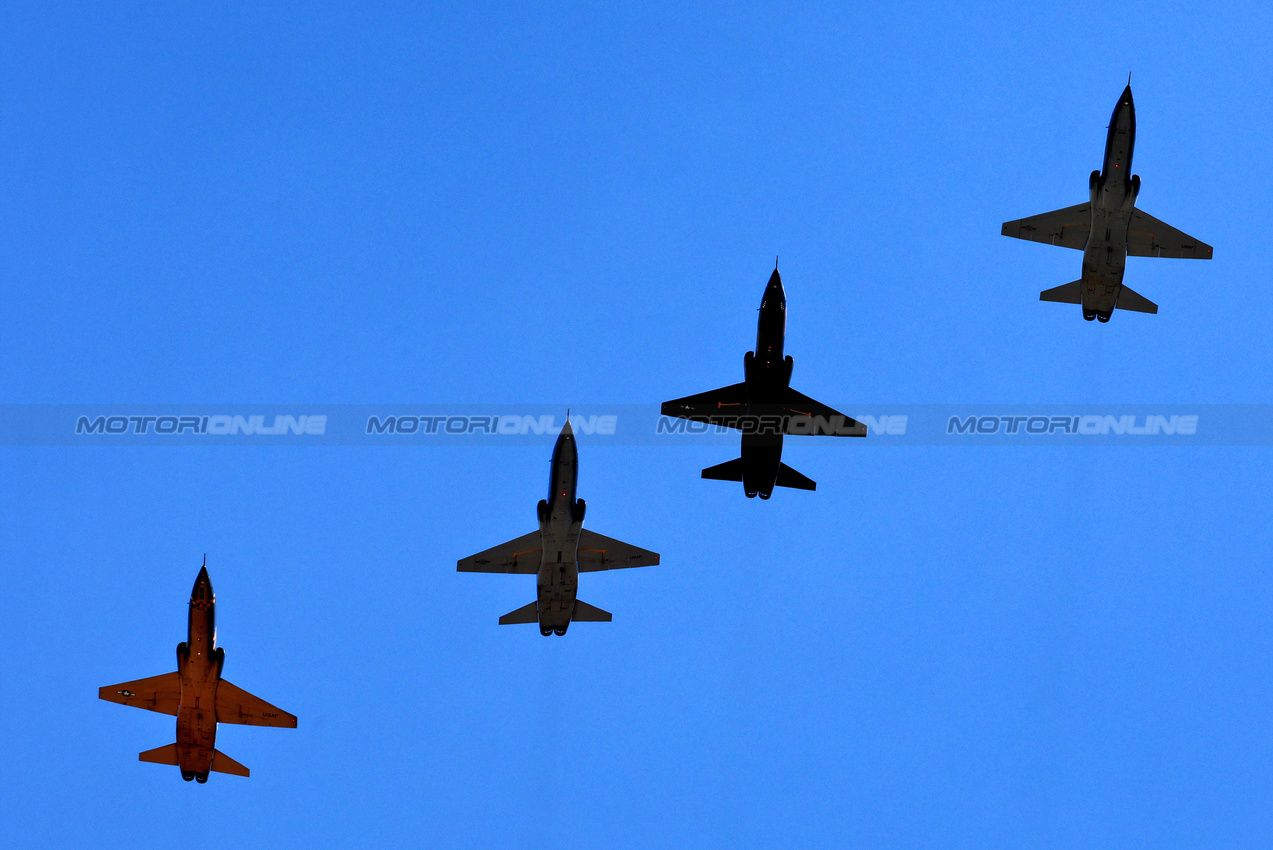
199 663
560 521
766 373
1113 195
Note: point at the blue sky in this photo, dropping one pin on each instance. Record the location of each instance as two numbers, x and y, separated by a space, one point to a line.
578 204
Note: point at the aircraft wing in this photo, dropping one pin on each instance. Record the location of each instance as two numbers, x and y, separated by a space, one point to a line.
598 552
798 404
158 693
235 705
720 406
1149 237
521 555
1068 227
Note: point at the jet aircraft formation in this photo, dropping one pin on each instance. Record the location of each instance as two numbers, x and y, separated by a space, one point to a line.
1108 228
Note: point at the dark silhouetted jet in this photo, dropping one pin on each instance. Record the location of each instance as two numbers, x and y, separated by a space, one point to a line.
1108 229
764 407
198 696
558 552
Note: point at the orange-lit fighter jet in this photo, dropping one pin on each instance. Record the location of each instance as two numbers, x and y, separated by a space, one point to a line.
198 696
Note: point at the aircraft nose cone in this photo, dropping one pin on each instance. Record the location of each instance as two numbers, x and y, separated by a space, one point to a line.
202 585
774 293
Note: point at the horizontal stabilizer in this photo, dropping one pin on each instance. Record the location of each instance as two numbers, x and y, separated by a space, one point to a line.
730 470
222 763
585 613
1128 300
525 614
160 755
788 477
1066 293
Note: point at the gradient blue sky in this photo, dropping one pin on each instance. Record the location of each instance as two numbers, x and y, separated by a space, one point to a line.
580 203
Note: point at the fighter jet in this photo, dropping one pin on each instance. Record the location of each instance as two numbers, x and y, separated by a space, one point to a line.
1108 229
558 552
198 696
764 407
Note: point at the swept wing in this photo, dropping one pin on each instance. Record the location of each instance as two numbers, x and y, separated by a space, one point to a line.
1068 227
1149 237
798 404
521 555
720 406
598 552
158 693
729 407
235 705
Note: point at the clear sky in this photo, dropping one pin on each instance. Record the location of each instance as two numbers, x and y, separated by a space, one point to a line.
580 203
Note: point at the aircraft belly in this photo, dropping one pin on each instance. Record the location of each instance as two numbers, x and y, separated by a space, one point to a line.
196 738
557 588
761 459
1103 267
